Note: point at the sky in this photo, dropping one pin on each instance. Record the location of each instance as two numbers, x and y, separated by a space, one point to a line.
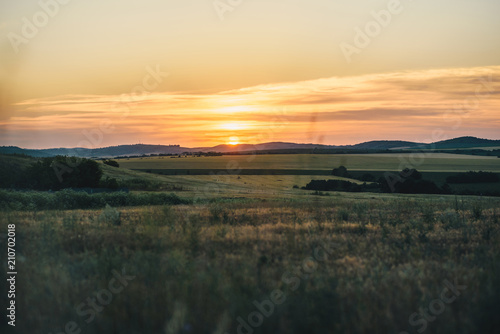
97 73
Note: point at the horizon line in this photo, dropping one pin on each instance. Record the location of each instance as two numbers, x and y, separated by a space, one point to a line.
240 144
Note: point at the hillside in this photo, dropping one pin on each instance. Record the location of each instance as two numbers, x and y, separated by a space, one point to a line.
386 145
18 150
463 142
142 149
13 167
261 147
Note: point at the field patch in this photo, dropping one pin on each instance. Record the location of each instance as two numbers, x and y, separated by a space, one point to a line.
437 162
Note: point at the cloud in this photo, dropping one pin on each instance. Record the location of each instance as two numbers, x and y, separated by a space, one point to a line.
402 105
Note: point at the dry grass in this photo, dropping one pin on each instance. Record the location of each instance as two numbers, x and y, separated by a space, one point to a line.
199 267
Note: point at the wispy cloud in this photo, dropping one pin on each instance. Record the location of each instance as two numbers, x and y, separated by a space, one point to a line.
403 105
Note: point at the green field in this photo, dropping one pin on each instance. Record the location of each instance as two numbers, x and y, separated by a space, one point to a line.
349 263
204 252
441 162
271 174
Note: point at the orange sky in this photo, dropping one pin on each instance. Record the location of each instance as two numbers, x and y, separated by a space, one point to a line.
400 105
94 73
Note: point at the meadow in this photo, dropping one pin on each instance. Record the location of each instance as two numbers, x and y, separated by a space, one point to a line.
275 173
345 263
246 253
438 162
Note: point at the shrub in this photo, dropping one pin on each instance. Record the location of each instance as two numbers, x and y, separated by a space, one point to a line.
408 181
110 183
450 220
339 185
110 216
341 171
111 163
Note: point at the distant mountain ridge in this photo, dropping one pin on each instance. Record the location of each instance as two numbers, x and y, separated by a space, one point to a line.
143 149
464 142
385 145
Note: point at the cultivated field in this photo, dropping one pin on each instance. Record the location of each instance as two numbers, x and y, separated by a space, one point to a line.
363 162
244 174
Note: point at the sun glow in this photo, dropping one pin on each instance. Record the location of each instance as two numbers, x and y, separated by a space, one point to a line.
237 109
234 140
233 126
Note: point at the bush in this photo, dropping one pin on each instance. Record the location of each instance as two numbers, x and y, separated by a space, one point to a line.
109 183
111 163
339 185
341 171
450 220
110 216
408 181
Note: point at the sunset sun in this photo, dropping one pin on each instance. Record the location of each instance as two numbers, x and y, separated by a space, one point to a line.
234 140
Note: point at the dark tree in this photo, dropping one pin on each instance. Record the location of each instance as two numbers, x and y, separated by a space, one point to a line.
111 163
473 177
411 173
367 177
341 171
63 172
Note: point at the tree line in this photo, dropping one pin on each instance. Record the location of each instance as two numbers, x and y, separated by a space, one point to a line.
407 181
56 173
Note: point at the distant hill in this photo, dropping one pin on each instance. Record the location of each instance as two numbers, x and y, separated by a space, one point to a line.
386 145
463 142
18 150
141 149
261 147
105 152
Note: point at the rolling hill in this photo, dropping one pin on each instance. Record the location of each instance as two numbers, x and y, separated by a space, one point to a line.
142 149
463 142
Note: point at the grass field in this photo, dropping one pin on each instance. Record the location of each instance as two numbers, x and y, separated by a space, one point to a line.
441 162
349 263
252 254
277 173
